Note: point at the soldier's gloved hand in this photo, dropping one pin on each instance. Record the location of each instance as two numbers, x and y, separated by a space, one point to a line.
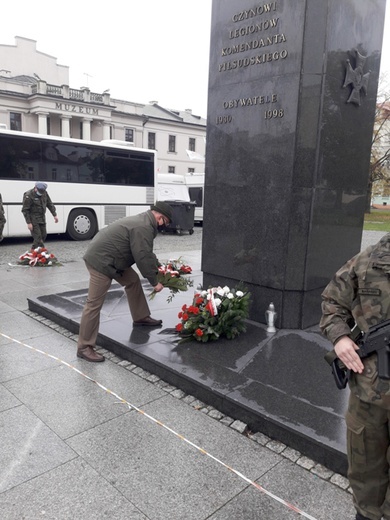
345 350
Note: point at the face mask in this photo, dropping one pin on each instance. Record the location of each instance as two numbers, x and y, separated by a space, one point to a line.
39 194
161 228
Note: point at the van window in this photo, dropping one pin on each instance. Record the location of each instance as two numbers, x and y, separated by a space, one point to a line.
196 195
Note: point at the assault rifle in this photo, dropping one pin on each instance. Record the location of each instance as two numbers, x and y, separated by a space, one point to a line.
376 340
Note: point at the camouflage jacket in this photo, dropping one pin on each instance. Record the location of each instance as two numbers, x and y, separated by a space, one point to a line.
360 293
34 207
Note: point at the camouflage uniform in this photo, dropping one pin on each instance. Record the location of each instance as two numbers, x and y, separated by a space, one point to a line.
360 292
2 219
34 211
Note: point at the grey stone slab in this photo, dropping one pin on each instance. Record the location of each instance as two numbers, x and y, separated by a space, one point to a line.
315 496
7 400
19 326
28 447
17 360
4 308
69 403
72 491
295 487
158 472
226 444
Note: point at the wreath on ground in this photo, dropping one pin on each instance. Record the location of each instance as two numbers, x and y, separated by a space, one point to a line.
215 313
38 257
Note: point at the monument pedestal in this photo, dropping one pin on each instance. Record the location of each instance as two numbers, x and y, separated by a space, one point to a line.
292 96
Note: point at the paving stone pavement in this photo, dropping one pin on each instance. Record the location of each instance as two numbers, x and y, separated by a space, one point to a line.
111 440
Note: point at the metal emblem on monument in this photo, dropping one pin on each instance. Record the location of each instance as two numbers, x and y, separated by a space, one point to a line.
356 78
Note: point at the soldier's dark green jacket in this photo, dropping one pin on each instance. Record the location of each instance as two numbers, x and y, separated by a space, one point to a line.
123 243
360 291
34 207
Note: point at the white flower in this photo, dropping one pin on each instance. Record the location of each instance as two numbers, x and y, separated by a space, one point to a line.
230 296
217 302
226 289
220 291
239 294
203 293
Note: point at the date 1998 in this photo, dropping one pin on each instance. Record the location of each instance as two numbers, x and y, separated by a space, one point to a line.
272 114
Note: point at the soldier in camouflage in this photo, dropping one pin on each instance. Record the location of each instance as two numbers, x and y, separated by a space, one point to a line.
35 202
360 293
2 218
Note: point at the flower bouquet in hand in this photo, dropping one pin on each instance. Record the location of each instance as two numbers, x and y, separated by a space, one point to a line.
170 275
39 257
217 312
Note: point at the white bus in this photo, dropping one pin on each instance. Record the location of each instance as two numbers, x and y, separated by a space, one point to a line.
91 183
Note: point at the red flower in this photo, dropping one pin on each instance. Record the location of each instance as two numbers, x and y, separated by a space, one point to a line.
185 316
184 308
179 327
199 332
199 301
180 315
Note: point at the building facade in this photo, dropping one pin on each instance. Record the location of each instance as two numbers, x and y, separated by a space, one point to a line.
35 96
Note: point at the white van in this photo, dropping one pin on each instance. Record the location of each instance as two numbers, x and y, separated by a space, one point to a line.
190 187
171 187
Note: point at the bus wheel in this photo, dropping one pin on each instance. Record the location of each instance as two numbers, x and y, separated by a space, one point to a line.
81 224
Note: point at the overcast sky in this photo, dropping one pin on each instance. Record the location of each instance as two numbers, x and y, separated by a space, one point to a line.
142 50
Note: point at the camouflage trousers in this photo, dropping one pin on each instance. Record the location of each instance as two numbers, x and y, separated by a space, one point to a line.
39 234
368 448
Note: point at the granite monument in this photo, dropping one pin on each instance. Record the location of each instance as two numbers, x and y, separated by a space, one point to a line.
292 95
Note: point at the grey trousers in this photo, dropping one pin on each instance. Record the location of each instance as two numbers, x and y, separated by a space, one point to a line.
99 285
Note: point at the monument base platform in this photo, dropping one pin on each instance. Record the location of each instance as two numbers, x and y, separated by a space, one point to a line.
278 384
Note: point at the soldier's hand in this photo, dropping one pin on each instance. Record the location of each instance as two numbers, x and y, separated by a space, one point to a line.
159 287
345 350
56 219
30 227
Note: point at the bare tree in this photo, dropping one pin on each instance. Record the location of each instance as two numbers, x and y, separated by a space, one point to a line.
379 179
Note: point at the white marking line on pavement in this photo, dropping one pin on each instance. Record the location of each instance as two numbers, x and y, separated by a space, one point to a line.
156 421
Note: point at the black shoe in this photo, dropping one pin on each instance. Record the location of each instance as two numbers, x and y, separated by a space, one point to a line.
361 517
148 322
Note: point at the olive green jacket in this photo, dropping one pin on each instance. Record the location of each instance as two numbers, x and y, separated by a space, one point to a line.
360 293
34 207
123 243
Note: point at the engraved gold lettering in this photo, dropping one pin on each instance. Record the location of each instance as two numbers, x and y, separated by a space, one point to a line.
254 60
250 101
252 29
254 44
256 11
